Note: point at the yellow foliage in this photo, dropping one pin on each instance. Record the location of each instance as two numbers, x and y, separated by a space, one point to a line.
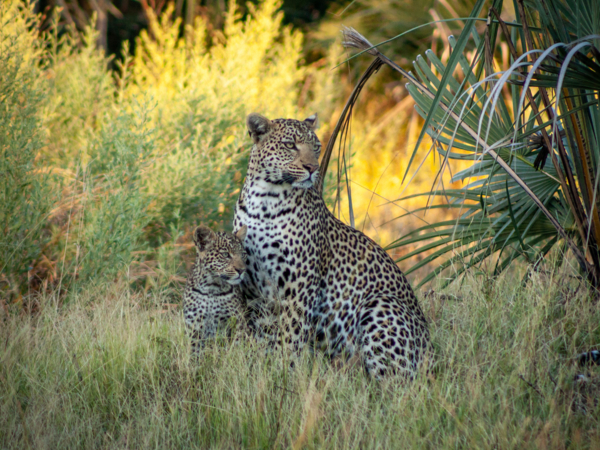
256 66
143 153
19 44
200 96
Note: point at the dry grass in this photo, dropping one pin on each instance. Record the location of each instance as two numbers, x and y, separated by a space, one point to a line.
110 369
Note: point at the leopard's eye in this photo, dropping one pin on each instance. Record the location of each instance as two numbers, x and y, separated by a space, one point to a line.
289 145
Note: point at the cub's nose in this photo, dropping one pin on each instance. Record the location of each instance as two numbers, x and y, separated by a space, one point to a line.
311 168
240 270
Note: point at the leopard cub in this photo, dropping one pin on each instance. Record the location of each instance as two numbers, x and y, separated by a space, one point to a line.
212 299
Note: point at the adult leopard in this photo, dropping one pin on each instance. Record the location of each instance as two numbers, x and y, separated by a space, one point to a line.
337 288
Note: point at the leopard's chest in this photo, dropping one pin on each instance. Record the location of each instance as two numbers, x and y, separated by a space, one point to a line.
282 243
278 252
207 302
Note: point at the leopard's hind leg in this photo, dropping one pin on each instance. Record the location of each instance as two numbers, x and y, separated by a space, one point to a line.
392 340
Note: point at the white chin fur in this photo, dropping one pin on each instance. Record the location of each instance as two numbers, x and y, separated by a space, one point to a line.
235 281
307 182
302 184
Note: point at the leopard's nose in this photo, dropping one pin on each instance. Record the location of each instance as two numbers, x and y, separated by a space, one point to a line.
311 168
240 270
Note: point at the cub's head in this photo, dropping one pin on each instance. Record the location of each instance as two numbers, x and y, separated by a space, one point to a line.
287 150
221 254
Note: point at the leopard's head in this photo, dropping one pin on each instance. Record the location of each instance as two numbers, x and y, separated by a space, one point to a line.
221 254
286 150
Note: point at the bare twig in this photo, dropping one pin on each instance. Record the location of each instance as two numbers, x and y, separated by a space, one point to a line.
286 390
345 118
65 12
555 383
532 386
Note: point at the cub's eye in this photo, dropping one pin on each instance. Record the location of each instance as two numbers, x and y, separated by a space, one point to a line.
289 145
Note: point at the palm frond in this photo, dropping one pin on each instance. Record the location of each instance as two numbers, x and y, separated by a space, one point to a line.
511 204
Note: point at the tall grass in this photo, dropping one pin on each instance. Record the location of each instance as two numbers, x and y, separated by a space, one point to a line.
111 370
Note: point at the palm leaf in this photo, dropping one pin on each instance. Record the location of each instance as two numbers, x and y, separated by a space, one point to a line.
507 206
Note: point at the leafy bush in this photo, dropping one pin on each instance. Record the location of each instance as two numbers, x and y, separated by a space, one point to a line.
115 214
25 196
202 96
511 205
514 205
140 155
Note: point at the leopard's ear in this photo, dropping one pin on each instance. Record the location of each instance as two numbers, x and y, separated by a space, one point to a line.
312 122
204 237
258 127
241 233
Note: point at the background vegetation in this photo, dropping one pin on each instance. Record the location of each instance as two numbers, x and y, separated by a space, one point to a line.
127 153
108 162
508 124
119 165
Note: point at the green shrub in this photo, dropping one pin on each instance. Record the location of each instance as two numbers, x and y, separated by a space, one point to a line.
140 155
202 96
115 210
25 197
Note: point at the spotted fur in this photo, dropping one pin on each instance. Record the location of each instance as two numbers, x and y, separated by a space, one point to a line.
337 289
213 300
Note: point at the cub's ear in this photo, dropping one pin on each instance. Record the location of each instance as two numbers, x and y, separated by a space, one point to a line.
241 233
312 122
203 237
258 127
